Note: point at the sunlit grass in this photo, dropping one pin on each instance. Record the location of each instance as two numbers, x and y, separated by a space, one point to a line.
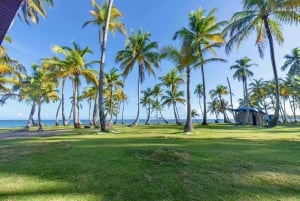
156 162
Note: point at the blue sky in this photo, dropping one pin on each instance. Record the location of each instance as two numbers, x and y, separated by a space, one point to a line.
162 18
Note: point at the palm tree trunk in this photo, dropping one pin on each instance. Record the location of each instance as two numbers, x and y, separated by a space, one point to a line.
246 99
96 112
274 120
137 119
204 121
90 108
293 106
188 125
39 117
175 114
75 97
123 113
65 123
57 112
148 114
163 118
102 63
30 119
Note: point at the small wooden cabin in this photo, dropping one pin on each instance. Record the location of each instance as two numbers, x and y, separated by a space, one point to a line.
255 118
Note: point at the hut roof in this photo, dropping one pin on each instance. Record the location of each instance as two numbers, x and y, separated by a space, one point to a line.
8 10
251 109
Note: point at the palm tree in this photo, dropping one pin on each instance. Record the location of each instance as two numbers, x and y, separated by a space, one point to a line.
258 94
39 88
157 93
112 83
218 93
146 102
214 108
172 98
292 62
76 67
203 35
106 17
141 51
241 73
90 93
199 92
185 60
195 114
264 18
172 80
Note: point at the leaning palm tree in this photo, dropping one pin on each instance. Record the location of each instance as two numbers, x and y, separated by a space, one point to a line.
141 51
292 61
264 18
203 35
106 17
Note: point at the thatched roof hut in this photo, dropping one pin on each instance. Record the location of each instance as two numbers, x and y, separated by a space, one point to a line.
255 118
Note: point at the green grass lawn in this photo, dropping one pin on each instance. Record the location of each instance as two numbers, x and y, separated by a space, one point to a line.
157 162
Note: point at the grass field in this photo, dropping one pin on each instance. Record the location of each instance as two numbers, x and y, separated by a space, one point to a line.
157 162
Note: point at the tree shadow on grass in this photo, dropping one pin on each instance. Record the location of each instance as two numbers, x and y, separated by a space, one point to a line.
123 168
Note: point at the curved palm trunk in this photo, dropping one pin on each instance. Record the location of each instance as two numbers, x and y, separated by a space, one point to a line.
65 123
163 118
57 112
30 119
102 62
148 114
175 113
137 119
204 121
274 120
188 125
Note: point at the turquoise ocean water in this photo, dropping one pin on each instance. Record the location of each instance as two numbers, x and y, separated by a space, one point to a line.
21 123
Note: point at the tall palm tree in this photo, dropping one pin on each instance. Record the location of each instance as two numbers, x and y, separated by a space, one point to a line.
199 92
141 51
264 18
218 93
203 35
106 17
90 94
74 61
112 83
292 61
185 60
